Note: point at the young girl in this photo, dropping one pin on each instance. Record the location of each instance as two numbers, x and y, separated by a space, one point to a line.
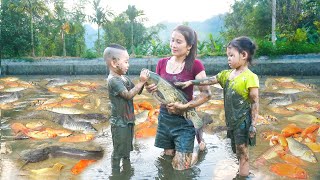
241 98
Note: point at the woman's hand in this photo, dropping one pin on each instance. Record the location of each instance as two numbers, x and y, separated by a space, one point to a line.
183 84
176 108
151 88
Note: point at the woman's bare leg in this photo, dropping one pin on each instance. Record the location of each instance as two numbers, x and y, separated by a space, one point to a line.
169 152
181 161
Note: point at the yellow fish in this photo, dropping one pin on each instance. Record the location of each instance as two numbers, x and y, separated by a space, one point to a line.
52 173
306 118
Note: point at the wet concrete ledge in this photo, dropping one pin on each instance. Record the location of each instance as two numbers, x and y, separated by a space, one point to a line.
297 65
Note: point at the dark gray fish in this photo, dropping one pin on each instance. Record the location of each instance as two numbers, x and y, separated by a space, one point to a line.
68 122
283 101
56 82
9 97
91 118
37 155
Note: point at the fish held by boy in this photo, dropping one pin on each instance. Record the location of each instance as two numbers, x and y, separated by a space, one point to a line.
167 93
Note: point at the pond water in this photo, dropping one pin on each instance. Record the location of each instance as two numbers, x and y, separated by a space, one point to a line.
42 99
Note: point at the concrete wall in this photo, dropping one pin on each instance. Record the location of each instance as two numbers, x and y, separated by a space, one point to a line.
285 66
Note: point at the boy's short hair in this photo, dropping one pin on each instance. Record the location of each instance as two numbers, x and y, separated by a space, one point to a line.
112 52
116 46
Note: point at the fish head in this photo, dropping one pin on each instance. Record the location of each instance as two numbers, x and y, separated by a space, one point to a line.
309 156
153 78
89 129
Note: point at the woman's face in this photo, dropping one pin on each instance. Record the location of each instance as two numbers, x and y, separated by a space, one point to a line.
178 44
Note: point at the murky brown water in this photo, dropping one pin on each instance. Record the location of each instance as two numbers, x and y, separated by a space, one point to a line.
217 162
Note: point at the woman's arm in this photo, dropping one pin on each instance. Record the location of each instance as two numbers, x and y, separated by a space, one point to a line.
204 96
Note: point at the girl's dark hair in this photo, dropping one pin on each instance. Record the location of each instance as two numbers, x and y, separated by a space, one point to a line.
244 43
191 37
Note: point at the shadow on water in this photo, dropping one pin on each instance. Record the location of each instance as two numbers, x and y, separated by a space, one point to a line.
217 162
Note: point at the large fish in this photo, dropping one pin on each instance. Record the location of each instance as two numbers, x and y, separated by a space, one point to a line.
9 97
37 155
301 150
166 93
282 101
69 123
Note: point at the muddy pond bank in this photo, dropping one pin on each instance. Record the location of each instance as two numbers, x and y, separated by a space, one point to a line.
290 65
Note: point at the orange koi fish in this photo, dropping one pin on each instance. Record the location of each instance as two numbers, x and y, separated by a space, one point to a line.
288 158
81 165
40 135
290 130
58 132
19 127
146 132
289 170
145 105
309 129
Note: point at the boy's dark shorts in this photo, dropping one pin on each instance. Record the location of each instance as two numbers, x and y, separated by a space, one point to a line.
122 138
240 135
174 132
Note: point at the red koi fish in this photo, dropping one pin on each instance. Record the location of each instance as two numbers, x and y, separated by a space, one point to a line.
81 165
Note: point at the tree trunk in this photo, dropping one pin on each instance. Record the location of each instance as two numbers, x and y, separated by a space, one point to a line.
64 52
98 40
273 33
132 48
31 29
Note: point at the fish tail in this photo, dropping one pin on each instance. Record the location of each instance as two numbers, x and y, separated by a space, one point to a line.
23 165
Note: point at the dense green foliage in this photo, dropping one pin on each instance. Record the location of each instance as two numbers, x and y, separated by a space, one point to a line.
47 28
297 25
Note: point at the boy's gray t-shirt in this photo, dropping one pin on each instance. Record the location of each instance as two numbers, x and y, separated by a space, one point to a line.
122 110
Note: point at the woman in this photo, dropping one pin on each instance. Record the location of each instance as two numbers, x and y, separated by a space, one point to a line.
176 134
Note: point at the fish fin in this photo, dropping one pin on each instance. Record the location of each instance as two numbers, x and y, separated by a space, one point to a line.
26 163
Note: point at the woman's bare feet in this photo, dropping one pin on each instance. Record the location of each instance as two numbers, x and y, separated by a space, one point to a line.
202 146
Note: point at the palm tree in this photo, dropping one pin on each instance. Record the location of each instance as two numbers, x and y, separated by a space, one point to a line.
133 14
273 31
32 8
62 22
100 17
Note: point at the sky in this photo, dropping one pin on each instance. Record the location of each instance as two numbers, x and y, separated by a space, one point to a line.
170 10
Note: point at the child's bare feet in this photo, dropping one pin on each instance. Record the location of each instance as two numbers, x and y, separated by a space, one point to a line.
202 145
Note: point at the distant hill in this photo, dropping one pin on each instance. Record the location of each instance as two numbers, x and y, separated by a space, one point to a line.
91 36
213 25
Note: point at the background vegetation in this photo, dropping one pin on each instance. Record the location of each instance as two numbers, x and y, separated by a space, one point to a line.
42 28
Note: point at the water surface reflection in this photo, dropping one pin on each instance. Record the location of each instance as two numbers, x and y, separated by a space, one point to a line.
217 162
